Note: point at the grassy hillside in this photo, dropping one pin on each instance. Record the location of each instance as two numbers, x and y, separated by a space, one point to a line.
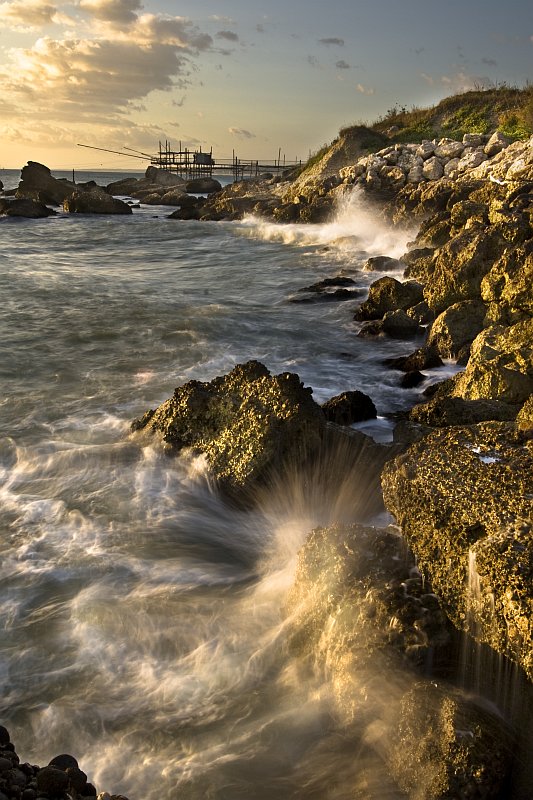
509 110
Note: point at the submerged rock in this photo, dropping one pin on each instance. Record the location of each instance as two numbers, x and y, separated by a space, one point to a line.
31 209
464 491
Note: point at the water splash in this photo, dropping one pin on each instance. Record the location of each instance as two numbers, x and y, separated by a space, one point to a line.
356 231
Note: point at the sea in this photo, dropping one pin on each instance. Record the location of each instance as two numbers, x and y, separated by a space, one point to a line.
142 616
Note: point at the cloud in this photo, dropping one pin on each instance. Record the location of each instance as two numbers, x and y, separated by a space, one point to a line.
82 78
314 62
220 18
428 79
29 13
228 35
490 62
365 89
241 133
117 12
260 28
342 64
332 40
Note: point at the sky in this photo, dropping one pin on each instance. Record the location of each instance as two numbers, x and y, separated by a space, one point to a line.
254 78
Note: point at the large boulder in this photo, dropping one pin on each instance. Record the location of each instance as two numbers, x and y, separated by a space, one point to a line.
500 366
96 201
248 424
457 327
509 283
360 611
460 266
203 186
31 209
37 183
462 496
163 177
349 407
388 294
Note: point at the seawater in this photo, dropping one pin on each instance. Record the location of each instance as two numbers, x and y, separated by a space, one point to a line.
142 624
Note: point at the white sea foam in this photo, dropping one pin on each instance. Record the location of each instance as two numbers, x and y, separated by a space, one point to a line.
355 230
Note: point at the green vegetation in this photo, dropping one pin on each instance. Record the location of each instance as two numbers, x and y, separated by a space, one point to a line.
507 109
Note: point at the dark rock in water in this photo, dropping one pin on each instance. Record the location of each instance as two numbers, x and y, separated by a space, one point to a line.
421 313
425 357
412 379
163 177
349 407
95 202
52 780
203 186
64 762
316 296
36 178
383 264
388 294
247 423
338 280
399 325
31 209
185 212
463 499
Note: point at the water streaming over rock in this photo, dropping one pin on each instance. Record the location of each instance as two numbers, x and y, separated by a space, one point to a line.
142 617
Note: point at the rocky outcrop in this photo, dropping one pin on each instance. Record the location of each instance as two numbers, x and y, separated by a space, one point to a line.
388 294
37 183
359 609
203 186
96 201
30 209
463 498
247 424
349 407
61 778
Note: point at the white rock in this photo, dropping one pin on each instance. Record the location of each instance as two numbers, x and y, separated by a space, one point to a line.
471 160
426 149
433 169
448 148
474 139
450 168
415 174
496 144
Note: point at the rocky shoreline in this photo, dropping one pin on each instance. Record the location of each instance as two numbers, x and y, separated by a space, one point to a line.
459 473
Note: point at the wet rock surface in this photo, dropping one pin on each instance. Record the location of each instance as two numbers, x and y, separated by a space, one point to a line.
359 608
61 779
247 423
459 491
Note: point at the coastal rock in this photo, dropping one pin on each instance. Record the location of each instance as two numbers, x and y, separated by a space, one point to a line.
460 265
426 357
358 608
443 411
31 209
203 186
509 283
163 177
37 179
446 746
400 325
456 327
95 202
496 144
388 294
462 497
432 169
349 407
448 148
500 366
383 264
248 424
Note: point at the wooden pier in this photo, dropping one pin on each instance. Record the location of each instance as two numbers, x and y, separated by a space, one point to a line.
196 163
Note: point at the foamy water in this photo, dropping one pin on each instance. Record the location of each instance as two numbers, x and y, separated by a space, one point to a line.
143 625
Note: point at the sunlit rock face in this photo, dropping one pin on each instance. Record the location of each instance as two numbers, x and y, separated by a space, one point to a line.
360 611
464 494
246 423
